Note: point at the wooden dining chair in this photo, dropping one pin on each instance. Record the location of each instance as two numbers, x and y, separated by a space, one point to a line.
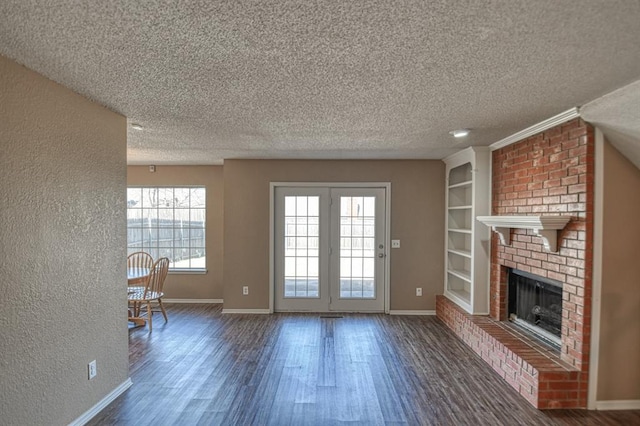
139 263
152 292
140 260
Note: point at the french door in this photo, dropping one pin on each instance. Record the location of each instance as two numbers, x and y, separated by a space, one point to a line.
329 249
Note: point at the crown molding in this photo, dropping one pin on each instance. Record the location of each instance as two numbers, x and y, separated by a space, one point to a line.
563 117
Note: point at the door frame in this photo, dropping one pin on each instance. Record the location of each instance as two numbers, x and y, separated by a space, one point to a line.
387 233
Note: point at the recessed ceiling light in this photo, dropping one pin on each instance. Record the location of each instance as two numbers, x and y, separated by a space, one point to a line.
460 133
136 126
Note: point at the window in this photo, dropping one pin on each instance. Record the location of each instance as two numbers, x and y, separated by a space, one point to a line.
168 222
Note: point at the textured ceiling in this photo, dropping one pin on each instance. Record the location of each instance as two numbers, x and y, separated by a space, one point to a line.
617 114
211 80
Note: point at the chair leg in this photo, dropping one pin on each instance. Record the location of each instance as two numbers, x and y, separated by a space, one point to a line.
136 309
149 315
162 309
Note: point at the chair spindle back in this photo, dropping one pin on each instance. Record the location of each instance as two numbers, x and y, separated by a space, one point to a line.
155 283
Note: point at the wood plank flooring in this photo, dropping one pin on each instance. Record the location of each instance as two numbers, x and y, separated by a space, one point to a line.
205 368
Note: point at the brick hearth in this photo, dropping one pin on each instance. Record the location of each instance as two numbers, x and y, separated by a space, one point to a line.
533 370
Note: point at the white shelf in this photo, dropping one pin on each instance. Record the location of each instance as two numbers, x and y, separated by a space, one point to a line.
463 253
463 295
461 184
467 241
464 275
460 231
546 227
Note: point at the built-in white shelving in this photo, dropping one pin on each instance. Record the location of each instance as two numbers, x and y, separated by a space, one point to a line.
467 241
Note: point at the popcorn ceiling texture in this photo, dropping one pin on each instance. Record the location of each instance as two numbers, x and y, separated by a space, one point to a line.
211 80
62 245
616 114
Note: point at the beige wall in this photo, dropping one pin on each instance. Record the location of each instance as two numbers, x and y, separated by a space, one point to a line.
62 247
619 357
192 286
417 219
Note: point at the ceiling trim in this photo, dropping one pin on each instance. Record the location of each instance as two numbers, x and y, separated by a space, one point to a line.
563 117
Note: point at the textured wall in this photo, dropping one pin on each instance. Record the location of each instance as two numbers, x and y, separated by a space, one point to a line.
192 286
619 360
417 219
62 250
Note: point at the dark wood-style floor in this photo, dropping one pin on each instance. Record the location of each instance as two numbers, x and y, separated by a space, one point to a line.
205 368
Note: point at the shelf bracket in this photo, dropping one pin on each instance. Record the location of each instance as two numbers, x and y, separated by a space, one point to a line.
504 234
549 239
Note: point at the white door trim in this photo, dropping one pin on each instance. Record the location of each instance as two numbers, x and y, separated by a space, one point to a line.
387 237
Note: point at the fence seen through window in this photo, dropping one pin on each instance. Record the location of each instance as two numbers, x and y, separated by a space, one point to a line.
168 222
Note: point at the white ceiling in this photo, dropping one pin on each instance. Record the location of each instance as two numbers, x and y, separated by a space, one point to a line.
617 114
213 80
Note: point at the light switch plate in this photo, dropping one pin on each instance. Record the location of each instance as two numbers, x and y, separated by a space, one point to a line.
395 243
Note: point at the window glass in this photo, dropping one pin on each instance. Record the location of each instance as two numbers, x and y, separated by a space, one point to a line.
168 222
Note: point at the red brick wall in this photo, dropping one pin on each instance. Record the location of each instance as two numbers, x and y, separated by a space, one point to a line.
551 173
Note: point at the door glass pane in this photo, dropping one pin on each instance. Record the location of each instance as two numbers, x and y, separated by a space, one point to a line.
301 251
357 252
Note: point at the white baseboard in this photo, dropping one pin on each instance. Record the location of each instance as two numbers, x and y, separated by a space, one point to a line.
164 299
93 411
246 311
400 312
632 404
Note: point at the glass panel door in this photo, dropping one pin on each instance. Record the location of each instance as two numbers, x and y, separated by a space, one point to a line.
357 247
301 246
301 249
357 266
329 249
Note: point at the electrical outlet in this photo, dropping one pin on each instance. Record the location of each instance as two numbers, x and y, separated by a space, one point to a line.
395 243
93 369
245 290
418 291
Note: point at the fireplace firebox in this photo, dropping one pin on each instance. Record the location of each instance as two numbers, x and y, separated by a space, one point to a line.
535 304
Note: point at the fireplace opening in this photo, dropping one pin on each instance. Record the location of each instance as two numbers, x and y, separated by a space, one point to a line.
535 304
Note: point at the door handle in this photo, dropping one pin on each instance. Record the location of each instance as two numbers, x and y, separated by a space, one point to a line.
381 255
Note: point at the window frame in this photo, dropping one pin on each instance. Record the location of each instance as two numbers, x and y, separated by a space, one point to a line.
146 212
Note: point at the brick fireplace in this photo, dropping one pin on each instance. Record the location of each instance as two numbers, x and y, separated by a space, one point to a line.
551 173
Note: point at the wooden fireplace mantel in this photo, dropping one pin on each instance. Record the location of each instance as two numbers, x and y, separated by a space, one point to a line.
545 227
